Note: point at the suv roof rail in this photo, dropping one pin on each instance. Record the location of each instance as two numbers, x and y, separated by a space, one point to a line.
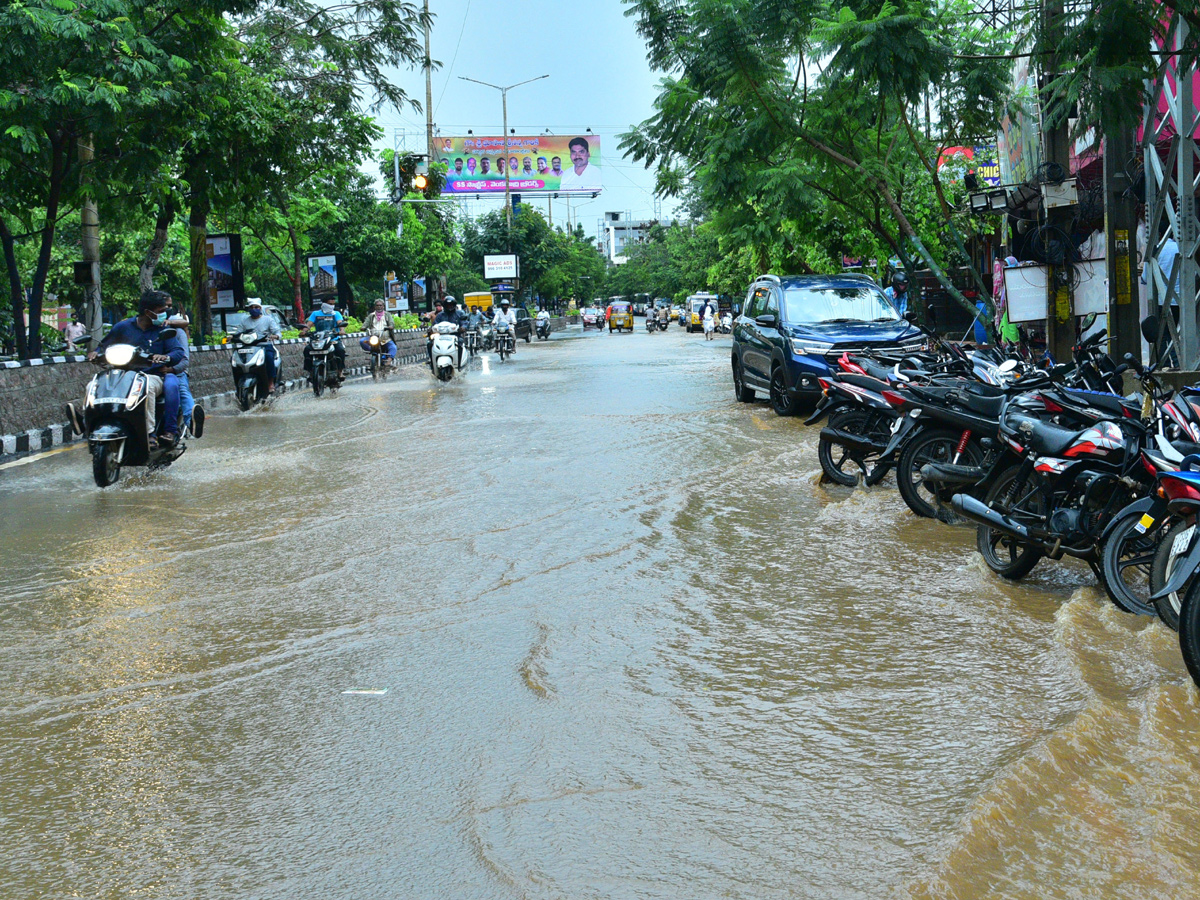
770 277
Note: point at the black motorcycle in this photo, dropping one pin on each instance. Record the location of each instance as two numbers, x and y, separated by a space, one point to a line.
324 372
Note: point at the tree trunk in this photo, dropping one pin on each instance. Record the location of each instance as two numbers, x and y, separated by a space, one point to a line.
166 215
16 292
197 245
297 274
89 245
58 168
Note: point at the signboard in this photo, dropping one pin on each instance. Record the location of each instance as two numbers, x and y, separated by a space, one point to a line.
395 298
323 278
980 160
503 265
560 163
226 282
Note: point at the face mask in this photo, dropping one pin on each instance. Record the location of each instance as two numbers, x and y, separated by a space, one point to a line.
255 312
161 318
327 307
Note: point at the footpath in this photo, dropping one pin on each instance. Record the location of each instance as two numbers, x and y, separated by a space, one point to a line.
33 392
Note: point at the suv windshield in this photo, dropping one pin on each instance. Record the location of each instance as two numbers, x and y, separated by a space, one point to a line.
842 304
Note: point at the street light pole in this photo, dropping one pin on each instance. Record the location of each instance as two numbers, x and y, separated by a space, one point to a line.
507 169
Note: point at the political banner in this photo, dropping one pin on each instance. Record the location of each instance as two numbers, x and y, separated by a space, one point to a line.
548 163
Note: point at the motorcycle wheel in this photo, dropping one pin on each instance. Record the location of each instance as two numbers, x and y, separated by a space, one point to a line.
1006 556
243 400
374 367
1189 629
837 462
1165 560
1126 562
927 446
105 468
318 382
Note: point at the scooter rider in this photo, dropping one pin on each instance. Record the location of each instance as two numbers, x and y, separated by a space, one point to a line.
148 332
897 294
449 313
382 324
508 316
265 326
190 412
327 318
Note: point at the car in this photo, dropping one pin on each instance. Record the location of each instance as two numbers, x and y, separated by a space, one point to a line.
794 328
592 318
524 327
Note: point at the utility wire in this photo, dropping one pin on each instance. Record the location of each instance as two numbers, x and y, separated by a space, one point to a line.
453 59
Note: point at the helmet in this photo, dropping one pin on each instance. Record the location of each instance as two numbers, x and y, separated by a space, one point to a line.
899 280
449 299
504 301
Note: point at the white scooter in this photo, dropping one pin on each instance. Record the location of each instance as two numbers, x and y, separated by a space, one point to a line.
446 354
726 326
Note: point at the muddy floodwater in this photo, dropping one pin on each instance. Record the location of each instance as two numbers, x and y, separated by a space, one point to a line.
576 625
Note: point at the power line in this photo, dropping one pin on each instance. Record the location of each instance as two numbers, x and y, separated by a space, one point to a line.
453 59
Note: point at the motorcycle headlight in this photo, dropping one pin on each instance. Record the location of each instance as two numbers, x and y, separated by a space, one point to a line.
803 346
249 337
373 340
119 354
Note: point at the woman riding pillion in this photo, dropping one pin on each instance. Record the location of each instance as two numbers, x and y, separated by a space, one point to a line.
381 324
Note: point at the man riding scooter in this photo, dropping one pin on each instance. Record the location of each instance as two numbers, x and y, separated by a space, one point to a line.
265 326
380 324
147 332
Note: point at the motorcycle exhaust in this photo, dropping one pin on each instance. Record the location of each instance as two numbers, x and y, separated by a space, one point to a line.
946 474
851 441
977 511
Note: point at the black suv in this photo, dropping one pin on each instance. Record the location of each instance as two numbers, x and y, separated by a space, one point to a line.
793 329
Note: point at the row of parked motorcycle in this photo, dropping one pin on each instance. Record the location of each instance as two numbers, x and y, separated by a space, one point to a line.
1044 461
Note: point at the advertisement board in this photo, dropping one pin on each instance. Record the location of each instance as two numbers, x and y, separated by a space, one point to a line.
977 159
559 163
226 282
323 278
502 265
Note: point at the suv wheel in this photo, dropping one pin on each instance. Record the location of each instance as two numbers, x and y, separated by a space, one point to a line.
780 402
740 391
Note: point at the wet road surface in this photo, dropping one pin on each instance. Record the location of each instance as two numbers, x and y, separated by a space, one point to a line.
618 642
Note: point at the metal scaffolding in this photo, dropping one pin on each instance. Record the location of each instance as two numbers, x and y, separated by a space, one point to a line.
1172 120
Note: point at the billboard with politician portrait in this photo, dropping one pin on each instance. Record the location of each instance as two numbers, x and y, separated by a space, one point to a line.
559 163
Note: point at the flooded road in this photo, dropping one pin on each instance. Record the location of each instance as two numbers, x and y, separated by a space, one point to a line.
610 638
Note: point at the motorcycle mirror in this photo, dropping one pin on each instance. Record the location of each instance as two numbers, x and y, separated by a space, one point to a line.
1007 366
1088 321
910 317
1150 329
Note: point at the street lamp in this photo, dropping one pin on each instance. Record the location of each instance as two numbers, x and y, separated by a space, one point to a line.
507 172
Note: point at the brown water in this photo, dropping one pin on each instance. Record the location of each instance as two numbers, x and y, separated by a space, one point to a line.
630 647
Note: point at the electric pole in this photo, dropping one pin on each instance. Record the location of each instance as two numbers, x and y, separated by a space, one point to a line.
428 89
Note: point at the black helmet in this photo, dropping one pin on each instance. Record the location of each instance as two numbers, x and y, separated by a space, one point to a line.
899 280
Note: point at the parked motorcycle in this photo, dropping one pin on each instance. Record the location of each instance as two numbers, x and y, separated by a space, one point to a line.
251 371
114 417
324 374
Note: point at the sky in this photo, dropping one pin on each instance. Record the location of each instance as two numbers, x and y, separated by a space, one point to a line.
599 79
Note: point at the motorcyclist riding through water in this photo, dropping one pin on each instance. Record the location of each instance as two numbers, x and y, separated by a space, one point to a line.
449 313
506 315
380 323
265 326
148 332
327 318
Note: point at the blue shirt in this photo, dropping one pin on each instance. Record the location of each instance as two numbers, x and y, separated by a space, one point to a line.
323 321
155 340
980 329
899 301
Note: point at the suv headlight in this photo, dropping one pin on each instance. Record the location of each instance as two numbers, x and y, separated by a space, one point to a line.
803 346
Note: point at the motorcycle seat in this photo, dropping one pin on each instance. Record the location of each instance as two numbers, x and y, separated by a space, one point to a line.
1110 403
1043 438
873 369
864 381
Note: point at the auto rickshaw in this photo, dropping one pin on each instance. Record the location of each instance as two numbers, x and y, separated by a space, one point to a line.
621 317
694 308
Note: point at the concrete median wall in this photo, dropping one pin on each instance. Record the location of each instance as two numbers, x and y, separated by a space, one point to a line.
33 392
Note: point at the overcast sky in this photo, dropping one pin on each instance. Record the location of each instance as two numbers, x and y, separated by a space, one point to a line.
599 79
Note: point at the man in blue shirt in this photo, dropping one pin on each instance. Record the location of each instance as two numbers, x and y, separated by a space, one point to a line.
327 318
148 333
897 294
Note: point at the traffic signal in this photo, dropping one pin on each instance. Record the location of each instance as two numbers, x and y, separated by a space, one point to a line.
420 181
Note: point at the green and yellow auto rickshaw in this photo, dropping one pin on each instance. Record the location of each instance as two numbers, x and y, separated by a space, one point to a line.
620 316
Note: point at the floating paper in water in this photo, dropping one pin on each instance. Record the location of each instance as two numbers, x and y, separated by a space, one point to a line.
373 692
